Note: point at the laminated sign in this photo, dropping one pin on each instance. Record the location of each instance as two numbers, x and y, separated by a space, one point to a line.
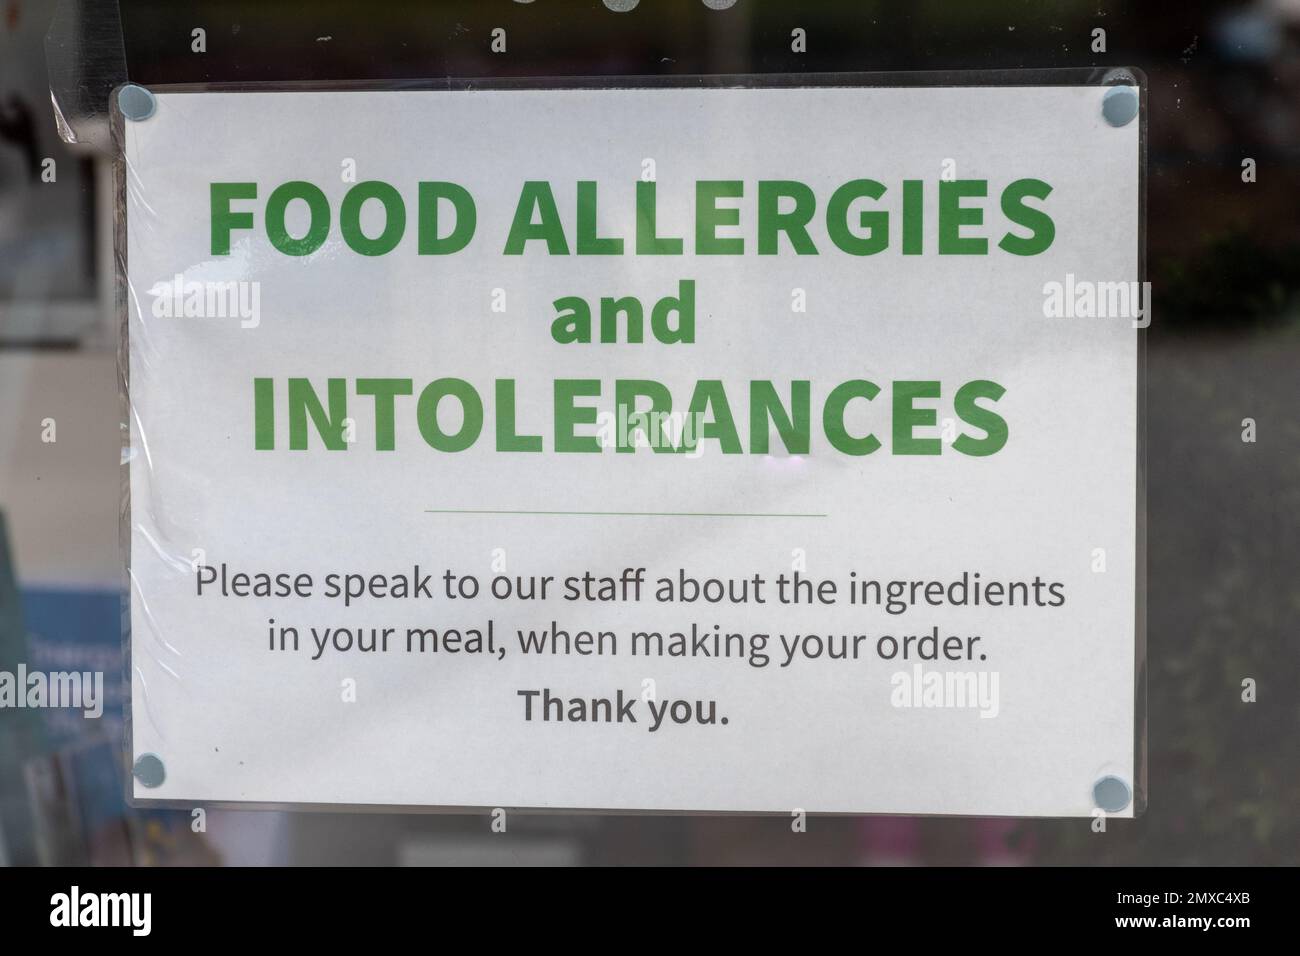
704 447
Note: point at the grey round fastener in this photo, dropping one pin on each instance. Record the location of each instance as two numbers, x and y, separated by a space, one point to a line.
149 770
1119 105
135 102
621 6
1111 794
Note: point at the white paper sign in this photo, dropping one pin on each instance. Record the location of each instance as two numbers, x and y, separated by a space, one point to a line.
672 449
